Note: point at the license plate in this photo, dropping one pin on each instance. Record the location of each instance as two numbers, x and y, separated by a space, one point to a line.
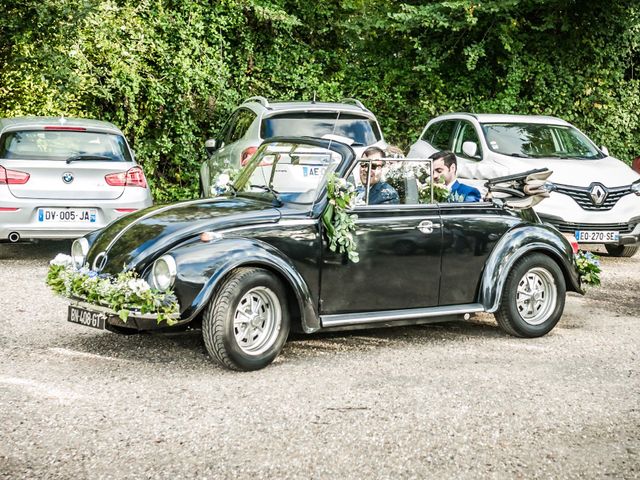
313 171
86 317
597 236
67 215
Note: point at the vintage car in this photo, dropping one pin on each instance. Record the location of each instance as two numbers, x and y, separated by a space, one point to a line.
250 266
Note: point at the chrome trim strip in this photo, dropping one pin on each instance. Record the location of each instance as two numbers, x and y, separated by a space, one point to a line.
342 319
288 223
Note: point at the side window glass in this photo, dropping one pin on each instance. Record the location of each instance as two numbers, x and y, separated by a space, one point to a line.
467 133
228 127
242 124
439 134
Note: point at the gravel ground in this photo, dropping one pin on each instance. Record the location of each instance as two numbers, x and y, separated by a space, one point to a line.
459 399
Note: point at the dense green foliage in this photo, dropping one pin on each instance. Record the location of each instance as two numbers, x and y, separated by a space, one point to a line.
169 72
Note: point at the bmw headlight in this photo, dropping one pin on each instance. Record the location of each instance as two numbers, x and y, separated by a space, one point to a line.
163 272
79 250
635 187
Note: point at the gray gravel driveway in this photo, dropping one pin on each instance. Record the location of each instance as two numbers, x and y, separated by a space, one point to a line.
456 400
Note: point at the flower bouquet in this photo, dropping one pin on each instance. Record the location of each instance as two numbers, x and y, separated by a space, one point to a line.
339 225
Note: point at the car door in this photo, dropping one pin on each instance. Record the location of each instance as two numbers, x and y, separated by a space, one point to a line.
222 156
469 167
437 136
399 247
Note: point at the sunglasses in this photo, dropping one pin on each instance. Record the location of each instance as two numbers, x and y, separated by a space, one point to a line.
373 166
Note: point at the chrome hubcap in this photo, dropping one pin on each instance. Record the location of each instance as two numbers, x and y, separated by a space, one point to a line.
257 320
536 296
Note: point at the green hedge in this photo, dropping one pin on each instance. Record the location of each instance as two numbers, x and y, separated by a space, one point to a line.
169 72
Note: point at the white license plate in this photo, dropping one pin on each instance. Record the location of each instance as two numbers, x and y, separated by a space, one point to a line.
69 215
597 236
86 317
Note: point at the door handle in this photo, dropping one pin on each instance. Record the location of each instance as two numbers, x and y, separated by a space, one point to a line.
427 226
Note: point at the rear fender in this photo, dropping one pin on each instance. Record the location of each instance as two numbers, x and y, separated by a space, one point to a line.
514 245
202 266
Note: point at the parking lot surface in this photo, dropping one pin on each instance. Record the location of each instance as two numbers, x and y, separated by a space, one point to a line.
459 399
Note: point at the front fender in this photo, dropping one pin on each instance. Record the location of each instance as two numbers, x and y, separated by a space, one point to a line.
517 243
202 265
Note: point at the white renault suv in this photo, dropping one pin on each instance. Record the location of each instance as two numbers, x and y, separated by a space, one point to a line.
257 119
595 197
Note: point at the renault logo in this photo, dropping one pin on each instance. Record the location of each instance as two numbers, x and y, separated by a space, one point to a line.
598 194
67 177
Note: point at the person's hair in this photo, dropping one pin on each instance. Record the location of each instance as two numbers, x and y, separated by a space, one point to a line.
447 157
394 152
372 150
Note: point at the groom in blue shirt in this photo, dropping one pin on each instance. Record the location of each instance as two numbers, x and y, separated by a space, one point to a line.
445 165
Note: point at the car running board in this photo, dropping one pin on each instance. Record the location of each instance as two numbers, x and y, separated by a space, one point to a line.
396 317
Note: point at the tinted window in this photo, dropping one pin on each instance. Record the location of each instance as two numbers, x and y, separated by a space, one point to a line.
439 134
243 121
62 144
467 133
538 140
362 130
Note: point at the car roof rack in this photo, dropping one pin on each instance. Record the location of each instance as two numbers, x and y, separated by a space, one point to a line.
261 100
355 102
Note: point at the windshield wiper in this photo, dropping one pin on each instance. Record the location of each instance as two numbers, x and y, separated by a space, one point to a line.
85 156
266 188
519 155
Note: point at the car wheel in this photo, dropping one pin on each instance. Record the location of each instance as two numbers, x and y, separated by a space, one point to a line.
533 297
247 322
621 250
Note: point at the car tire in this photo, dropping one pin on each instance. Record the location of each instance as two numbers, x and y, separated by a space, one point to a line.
621 250
247 322
533 297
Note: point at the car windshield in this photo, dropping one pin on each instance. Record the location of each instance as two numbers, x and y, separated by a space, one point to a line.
362 130
290 171
535 140
63 145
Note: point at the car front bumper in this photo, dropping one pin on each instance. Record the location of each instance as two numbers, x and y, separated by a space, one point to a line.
629 233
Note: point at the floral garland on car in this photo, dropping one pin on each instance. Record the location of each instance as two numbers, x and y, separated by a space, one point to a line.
224 181
396 178
339 225
123 293
589 268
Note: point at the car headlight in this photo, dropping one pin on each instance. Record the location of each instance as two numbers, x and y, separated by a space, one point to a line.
164 272
79 250
635 187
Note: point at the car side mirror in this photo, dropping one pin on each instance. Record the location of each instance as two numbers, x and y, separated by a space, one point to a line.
604 150
211 145
470 149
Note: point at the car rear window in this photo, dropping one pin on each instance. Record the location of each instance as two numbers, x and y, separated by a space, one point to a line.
61 145
362 130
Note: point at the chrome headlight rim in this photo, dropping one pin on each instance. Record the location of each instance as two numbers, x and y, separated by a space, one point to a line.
79 250
163 272
635 187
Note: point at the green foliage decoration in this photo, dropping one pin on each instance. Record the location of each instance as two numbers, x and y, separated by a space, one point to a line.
124 293
589 269
339 225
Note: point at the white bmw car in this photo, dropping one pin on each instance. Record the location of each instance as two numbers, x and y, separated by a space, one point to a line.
64 177
595 196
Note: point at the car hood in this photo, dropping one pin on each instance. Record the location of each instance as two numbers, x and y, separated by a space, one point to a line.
136 239
581 173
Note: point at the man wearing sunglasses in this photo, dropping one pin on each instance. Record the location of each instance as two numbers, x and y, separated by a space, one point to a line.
380 192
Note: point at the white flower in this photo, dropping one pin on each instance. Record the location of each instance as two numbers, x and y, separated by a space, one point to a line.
62 259
223 180
138 285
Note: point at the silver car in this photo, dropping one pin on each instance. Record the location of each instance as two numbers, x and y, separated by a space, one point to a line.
595 197
256 119
65 177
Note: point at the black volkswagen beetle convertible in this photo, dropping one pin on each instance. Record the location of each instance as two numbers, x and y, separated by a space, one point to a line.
251 265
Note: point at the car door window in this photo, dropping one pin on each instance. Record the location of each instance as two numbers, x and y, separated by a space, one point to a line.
242 124
439 134
467 133
228 127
